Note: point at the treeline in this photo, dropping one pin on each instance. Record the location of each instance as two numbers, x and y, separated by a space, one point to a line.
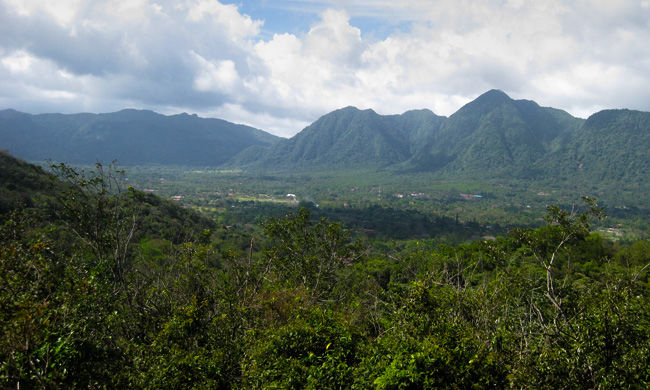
89 300
374 222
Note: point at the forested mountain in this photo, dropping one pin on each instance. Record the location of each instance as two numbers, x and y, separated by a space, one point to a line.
496 135
611 145
130 136
348 137
493 136
54 198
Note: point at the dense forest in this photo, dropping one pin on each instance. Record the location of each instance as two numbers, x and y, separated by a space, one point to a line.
104 286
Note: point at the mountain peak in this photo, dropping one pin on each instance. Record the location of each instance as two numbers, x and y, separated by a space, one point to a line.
346 109
348 112
11 113
485 103
353 109
132 113
494 95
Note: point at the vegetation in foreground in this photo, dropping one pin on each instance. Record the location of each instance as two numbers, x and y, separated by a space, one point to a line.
115 288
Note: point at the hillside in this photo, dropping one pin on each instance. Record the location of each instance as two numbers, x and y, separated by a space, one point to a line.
495 135
610 147
129 136
346 138
47 195
22 184
492 137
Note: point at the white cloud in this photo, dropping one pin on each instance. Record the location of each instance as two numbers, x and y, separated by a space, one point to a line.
237 25
334 39
30 81
18 62
207 57
62 11
220 76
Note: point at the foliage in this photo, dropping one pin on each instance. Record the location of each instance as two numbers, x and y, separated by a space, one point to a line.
315 350
308 254
90 299
54 312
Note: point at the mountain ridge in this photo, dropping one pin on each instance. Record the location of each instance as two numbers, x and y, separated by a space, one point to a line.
348 137
495 133
131 136
493 136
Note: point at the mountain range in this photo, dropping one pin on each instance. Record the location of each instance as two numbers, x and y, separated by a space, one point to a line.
130 136
493 136
348 138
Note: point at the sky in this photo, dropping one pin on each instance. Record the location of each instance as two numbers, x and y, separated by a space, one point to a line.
278 65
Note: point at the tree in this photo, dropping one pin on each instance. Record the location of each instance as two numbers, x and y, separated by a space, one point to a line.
93 208
307 253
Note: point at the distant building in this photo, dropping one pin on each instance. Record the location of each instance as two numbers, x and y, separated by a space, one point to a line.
470 196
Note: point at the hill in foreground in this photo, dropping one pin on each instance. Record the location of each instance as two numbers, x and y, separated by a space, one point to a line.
60 199
302 305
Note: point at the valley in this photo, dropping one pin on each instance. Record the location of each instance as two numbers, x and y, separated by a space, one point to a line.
517 156
504 246
324 195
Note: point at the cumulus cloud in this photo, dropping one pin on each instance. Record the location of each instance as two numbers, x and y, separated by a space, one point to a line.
218 77
212 58
236 25
315 69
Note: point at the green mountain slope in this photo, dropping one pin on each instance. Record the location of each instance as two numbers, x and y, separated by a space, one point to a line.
22 184
130 136
611 147
26 186
346 138
492 136
495 135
